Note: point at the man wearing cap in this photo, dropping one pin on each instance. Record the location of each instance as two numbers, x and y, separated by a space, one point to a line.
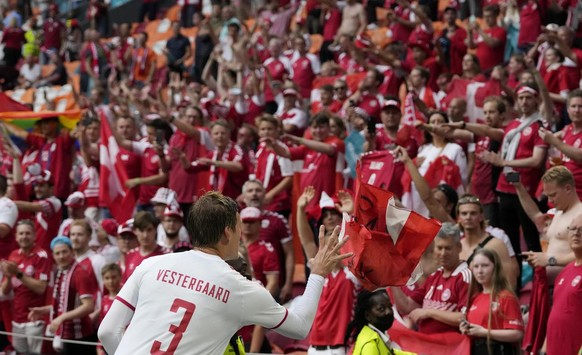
305 67
47 207
163 198
73 301
126 241
522 151
26 272
151 152
55 151
294 119
274 230
76 206
338 297
262 254
390 135
172 225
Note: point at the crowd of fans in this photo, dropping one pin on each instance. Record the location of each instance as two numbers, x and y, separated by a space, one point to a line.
477 104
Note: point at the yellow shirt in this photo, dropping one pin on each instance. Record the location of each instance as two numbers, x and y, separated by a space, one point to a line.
241 348
369 342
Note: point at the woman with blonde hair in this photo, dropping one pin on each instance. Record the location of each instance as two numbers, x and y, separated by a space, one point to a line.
493 314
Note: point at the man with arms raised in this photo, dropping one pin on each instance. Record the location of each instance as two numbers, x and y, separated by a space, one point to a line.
198 285
560 188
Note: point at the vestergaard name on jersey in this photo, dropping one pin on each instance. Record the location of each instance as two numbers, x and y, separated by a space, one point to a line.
193 284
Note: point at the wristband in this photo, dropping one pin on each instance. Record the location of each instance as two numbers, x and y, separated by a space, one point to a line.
464 124
19 275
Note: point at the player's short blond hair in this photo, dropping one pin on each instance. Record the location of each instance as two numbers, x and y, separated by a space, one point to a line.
559 175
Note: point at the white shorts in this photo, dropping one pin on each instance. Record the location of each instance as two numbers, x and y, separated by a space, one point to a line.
24 344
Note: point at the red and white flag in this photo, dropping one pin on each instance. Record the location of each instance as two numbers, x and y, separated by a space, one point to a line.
387 241
113 193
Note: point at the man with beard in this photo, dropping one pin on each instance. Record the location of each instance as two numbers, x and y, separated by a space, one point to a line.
172 223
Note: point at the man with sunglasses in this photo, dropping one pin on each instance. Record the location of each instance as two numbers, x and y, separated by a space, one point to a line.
471 219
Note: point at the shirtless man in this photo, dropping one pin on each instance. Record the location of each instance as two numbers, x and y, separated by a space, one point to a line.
560 188
354 20
471 218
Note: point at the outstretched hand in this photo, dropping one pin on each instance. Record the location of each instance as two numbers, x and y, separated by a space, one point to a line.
328 254
306 197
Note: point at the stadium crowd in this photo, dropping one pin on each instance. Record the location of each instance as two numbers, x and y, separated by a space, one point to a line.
469 112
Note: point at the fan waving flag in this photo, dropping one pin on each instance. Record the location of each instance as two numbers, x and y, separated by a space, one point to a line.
387 241
113 193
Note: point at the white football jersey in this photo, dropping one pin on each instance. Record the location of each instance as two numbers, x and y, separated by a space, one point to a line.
191 303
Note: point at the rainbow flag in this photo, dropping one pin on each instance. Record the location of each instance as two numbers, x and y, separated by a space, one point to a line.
20 115
27 119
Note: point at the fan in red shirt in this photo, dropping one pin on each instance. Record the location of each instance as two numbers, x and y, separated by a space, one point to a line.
304 67
452 42
278 68
438 305
53 30
125 127
26 272
144 227
530 17
55 151
563 334
569 140
47 207
192 141
367 95
72 302
275 231
322 157
493 316
275 172
294 119
335 308
151 153
13 39
262 255
326 101
489 42
390 135
111 274
228 164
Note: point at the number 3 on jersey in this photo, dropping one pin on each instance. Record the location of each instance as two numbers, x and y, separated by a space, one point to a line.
177 330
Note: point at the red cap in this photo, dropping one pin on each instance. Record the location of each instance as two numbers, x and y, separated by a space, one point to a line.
126 227
173 211
250 214
110 226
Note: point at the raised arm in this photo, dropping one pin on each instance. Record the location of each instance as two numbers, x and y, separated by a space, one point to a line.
435 209
303 228
320 147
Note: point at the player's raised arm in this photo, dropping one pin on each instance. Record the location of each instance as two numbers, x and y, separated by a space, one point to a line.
297 323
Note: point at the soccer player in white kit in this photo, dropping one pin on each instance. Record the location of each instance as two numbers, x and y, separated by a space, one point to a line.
193 302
